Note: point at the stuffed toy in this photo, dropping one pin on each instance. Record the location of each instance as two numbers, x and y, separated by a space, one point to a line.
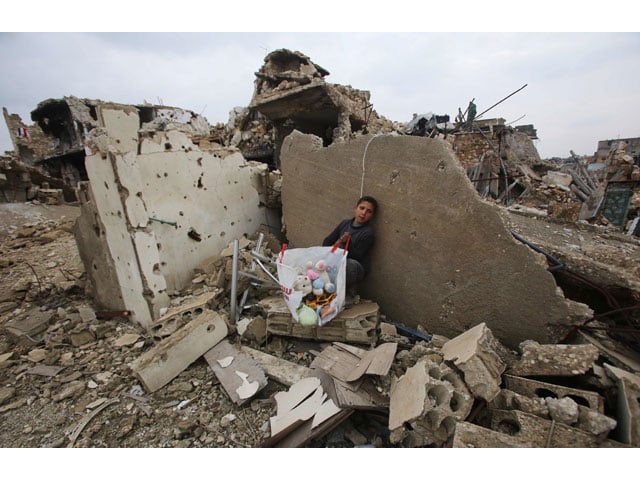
303 284
307 316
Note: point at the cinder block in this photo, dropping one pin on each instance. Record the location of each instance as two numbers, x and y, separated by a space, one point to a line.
534 388
425 404
357 324
538 432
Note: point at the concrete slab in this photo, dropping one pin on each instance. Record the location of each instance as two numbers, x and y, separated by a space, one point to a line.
554 360
443 258
162 363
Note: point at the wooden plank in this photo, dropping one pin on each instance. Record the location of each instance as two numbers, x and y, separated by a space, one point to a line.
366 397
241 378
337 362
383 358
163 362
282 371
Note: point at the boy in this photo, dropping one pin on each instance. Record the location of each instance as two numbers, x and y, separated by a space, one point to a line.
362 238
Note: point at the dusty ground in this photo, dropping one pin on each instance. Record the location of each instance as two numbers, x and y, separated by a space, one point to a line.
41 275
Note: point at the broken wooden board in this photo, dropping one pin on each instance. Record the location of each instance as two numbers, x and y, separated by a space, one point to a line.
305 432
239 374
366 397
617 353
305 400
162 363
348 363
282 371
357 324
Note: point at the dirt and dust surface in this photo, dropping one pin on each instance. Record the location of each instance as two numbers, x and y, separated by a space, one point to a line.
67 391
64 391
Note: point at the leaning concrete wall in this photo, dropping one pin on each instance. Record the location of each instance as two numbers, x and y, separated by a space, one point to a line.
161 206
443 258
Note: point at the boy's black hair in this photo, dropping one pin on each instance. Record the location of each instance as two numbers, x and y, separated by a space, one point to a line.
371 200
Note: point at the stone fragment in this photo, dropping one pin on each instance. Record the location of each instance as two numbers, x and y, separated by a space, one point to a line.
563 410
126 340
37 355
554 360
73 389
81 335
594 422
425 404
474 352
6 393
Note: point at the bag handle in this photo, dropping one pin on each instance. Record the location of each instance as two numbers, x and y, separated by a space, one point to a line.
284 247
339 241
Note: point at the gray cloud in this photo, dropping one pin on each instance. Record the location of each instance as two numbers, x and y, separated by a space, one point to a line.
581 86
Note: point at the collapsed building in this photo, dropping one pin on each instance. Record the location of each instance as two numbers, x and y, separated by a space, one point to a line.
164 196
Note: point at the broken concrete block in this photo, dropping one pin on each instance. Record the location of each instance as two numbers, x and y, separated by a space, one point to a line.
554 360
474 353
162 363
539 432
177 317
509 400
594 422
27 329
563 410
469 435
537 389
425 404
629 412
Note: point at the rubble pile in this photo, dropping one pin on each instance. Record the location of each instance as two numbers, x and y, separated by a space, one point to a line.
77 376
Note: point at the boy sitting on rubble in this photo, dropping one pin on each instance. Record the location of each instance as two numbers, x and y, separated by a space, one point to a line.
362 237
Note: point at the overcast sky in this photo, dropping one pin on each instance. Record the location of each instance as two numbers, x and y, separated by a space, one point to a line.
581 87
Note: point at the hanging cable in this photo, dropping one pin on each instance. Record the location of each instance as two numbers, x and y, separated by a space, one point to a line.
364 155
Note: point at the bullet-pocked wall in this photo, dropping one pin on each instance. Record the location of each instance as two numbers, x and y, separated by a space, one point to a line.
443 258
161 206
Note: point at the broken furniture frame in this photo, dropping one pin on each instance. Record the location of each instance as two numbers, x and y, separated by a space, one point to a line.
236 308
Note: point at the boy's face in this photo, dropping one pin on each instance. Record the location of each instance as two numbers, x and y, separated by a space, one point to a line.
364 212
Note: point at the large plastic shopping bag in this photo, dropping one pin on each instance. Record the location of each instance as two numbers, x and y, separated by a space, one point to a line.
313 282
